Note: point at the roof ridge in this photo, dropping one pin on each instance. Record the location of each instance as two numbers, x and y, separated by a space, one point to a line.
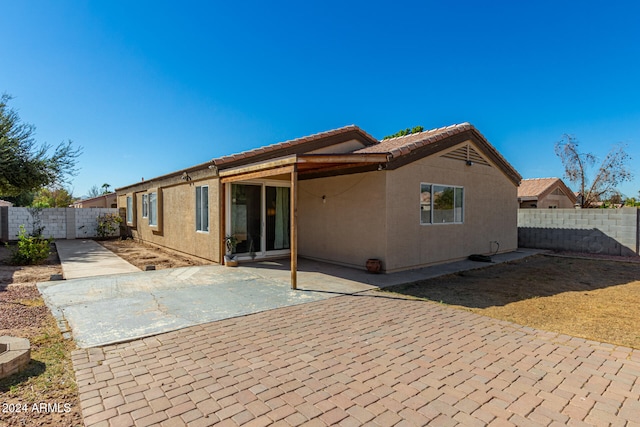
455 125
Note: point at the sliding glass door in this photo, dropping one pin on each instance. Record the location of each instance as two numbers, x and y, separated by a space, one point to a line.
246 205
259 218
277 218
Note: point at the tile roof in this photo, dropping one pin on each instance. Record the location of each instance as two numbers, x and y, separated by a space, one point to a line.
400 150
538 187
534 187
296 144
405 144
400 146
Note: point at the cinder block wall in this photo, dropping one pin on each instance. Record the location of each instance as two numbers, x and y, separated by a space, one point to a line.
59 223
605 231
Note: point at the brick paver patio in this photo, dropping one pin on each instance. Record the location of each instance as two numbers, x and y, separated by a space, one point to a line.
366 359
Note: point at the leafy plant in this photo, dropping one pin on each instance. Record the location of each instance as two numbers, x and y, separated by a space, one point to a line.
26 166
30 250
53 197
108 224
404 132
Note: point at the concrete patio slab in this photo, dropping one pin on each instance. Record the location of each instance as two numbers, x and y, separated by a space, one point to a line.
108 309
86 258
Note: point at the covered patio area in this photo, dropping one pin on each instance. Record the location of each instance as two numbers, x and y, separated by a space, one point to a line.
279 173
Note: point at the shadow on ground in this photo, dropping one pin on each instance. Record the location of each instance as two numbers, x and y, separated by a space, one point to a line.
33 369
533 277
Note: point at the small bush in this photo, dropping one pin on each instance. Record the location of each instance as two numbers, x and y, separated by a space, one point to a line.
30 250
108 224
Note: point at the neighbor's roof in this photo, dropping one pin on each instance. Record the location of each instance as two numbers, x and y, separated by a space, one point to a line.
91 199
537 188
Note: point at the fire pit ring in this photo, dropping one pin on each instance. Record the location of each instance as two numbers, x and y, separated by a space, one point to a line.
15 354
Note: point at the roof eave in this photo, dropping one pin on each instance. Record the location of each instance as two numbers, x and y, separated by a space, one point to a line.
298 146
443 141
309 163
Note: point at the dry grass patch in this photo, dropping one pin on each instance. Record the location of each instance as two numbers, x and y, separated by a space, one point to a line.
588 298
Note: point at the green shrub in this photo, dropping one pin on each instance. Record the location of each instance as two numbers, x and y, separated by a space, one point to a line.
108 224
30 249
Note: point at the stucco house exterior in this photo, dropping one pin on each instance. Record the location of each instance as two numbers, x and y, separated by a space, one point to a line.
339 196
108 200
545 193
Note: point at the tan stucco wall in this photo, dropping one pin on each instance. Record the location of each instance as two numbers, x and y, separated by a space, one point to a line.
177 230
560 202
106 201
365 215
377 215
349 226
490 213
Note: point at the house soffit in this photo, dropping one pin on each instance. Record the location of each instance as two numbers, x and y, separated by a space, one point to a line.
303 164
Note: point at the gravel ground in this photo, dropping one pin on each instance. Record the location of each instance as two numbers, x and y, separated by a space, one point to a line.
49 378
21 307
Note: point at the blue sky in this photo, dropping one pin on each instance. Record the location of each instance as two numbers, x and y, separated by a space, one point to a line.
148 88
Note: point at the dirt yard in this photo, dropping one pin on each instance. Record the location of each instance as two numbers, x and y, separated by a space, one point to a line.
49 378
142 255
596 299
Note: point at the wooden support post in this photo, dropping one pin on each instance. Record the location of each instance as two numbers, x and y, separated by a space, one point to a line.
222 221
293 235
638 231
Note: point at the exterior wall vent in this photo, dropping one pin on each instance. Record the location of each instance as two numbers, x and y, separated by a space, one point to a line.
467 153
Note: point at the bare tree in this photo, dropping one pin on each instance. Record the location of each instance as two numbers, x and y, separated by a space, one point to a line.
613 171
94 191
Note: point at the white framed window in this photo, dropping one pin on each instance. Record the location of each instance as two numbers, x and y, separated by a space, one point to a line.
129 209
145 206
153 209
202 208
441 204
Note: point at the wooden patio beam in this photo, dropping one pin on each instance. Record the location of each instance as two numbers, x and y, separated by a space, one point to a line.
342 158
254 167
245 176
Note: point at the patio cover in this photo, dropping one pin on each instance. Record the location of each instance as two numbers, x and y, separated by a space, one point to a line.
298 166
